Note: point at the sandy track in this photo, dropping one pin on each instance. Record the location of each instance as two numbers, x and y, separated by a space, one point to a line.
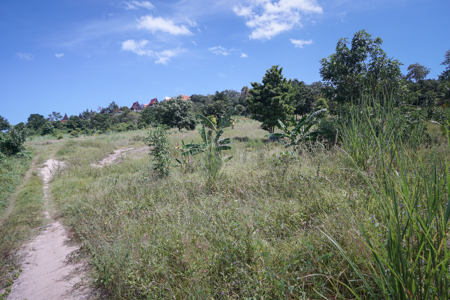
116 155
45 274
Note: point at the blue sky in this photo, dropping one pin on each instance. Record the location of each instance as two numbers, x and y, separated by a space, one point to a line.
72 55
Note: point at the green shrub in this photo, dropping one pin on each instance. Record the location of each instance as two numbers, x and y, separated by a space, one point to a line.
159 141
329 131
47 128
11 142
74 134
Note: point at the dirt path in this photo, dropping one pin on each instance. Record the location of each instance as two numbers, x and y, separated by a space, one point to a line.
116 155
45 274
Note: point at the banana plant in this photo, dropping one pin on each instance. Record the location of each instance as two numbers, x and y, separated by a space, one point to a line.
210 134
301 132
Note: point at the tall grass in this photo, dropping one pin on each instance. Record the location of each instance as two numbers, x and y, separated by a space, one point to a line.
410 256
252 236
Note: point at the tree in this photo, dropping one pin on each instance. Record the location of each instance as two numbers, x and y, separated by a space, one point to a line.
216 109
150 116
176 113
303 97
75 122
101 122
362 68
36 121
446 74
4 125
111 108
47 128
54 116
417 72
272 100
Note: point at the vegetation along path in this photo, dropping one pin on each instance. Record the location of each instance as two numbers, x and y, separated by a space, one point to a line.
46 275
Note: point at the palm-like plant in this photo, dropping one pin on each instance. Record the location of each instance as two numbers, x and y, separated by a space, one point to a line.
210 134
302 130
212 145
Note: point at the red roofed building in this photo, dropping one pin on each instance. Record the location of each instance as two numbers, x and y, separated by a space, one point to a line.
136 106
65 118
184 97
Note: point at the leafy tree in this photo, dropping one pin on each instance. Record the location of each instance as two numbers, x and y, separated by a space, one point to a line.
101 122
176 113
110 109
75 122
362 68
216 109
317 87
36 121
303 97
417 72
446 74
149 116
240 109
87 114
4 125
54 116
271 100
11 142
47 128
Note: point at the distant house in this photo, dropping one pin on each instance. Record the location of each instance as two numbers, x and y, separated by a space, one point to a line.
136 107
184 97
153 102
65 118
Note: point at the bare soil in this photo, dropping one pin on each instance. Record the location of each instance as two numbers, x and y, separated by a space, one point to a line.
46 274
117 155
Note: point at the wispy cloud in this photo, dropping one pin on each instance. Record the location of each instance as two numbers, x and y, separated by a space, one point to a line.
159 24
193 42
301 43
58 55
268 18
139 48
136 5
243 55
26 56
219 50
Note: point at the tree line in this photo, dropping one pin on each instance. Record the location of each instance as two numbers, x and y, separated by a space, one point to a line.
357 68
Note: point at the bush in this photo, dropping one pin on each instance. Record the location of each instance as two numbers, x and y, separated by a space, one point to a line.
47 128
12 141
74 133
329 131
159 140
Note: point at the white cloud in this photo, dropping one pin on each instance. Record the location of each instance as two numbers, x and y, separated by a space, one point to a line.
137 5
243 55
26 56
160 24
268 18
301 43
219 50
139 48
58 55
193 42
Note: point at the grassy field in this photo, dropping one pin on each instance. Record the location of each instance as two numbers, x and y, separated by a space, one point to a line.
271 227
363 220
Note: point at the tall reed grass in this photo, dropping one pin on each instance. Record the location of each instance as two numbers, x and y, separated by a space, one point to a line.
411 184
